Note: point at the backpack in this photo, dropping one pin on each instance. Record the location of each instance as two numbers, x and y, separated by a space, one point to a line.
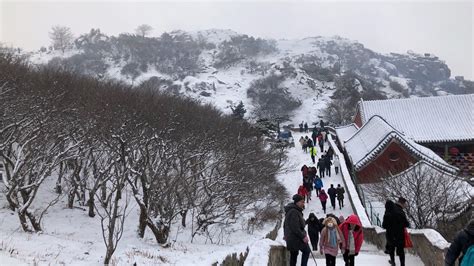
468 256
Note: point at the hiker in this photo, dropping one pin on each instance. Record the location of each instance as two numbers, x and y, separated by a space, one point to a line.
336 164
320 166
312 153
293 231
353 236
312 173
340 195
327 164
304 170
301 127
395 222
335 218
330 152
314 227
305 127
342 219
308 185
389 205
302 191
331 239
318 185
314 136
323 197
463 244
303 143
309 142
332 196
321 141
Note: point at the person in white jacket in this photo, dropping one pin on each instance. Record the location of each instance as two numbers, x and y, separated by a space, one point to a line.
336 164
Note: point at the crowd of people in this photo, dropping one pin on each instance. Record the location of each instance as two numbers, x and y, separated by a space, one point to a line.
329 234
332 234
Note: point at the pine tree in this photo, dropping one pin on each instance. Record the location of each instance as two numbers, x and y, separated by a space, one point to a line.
239 111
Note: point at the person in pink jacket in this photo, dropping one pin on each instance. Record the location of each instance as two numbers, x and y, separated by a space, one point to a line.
323 197
354 236
331 240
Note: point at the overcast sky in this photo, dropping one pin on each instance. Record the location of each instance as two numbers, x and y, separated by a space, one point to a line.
442 28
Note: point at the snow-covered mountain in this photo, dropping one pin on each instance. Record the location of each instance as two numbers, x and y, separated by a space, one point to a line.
224 67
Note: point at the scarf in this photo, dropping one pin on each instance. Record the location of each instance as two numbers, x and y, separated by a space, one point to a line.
332 235
351 242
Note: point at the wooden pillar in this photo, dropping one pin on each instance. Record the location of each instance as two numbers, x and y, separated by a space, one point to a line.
446 152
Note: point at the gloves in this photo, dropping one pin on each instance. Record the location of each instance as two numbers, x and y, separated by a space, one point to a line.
305 239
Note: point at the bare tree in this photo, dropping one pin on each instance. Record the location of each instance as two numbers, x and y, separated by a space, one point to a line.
338 111
113 210
143 30
61 37
431 193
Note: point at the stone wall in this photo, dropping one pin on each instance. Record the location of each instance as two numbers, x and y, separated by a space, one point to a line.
234 259
422 246
278 256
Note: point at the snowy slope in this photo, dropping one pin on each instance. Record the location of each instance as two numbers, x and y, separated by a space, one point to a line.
411 74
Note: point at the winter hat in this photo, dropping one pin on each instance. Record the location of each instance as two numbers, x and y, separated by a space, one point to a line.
297 197
402 200
341 219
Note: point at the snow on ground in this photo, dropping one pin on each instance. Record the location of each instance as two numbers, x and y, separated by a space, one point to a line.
71 237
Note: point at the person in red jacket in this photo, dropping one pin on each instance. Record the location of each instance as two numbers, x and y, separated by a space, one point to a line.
302 192
323 197
353 236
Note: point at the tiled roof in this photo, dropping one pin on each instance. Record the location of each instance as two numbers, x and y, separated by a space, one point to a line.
428 119
345 132
376 134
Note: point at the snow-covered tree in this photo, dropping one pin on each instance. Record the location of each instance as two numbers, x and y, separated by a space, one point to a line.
239 110
432 195
61 37
143 30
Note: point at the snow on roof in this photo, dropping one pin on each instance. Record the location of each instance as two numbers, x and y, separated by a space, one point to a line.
427 119
376 134
346 132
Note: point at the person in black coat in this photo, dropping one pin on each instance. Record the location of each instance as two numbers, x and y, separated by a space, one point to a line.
327 164
314 227
332 195
293 230
464 239
395 222
321 166
387 216
308 184
309 142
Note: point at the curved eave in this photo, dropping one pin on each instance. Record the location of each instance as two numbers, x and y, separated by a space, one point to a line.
443 140
394 135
